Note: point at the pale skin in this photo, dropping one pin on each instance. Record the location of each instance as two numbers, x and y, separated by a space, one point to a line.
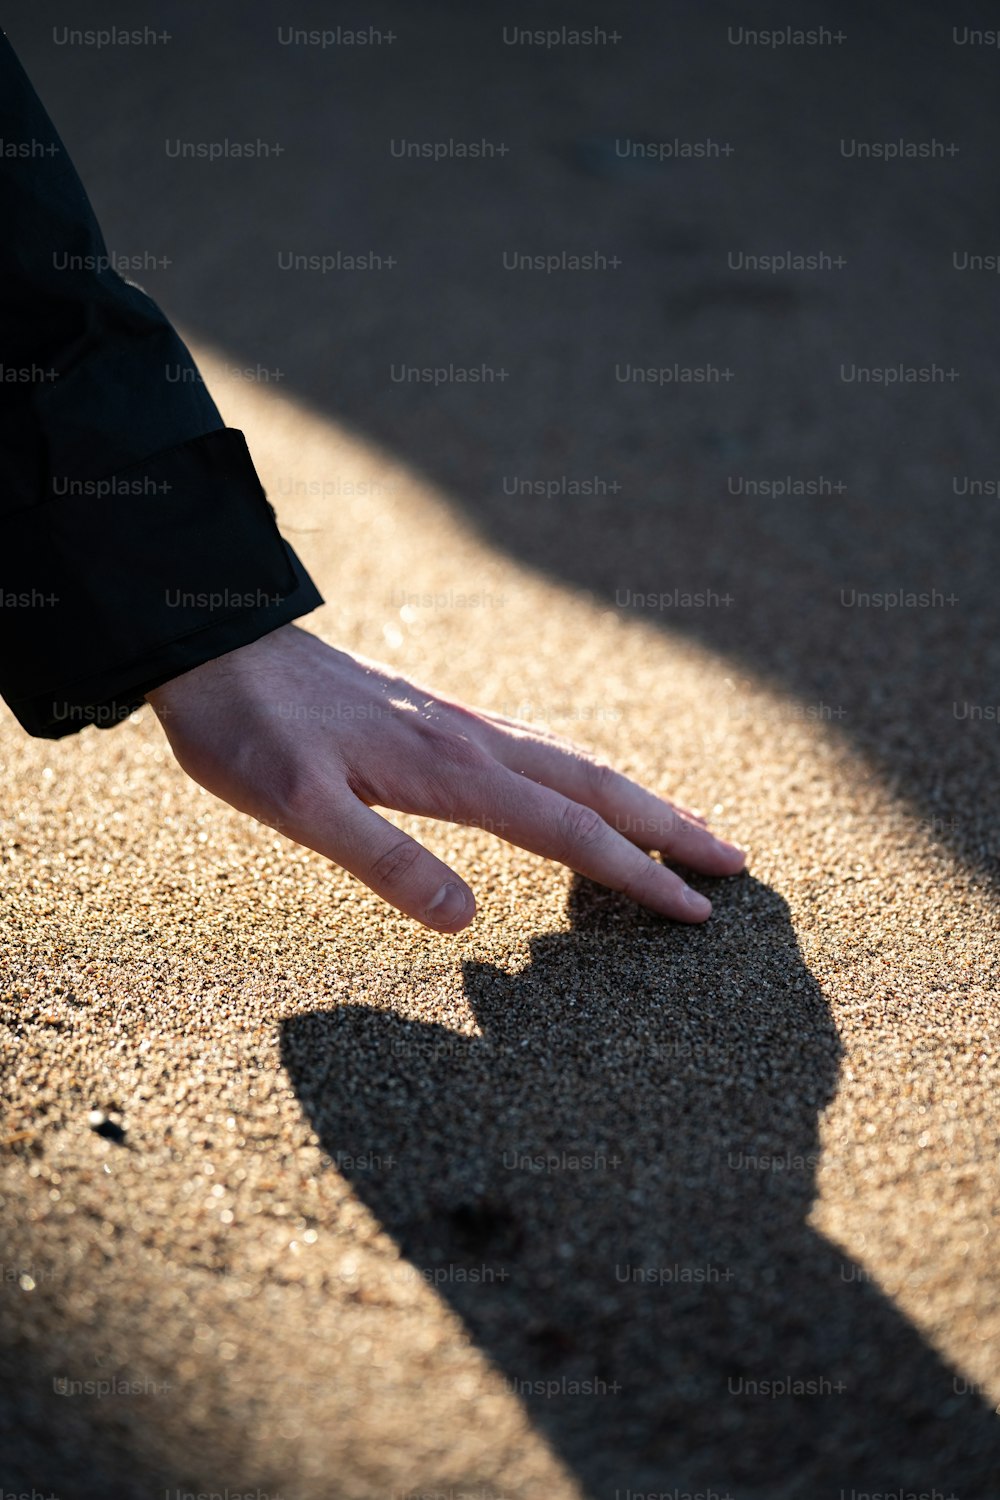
309 740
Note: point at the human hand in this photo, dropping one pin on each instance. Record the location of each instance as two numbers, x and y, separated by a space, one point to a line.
308 739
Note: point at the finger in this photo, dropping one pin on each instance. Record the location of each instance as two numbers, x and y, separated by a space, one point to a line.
550 740
642 818
393 865
537 818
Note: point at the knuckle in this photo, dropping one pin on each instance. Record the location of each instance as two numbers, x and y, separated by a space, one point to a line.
296 791
454 752
422 771
640 884
599 778
581 826
392 866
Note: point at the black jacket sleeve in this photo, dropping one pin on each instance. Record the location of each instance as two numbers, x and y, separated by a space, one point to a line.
136 541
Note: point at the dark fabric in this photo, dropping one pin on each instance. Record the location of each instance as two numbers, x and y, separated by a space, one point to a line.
136 541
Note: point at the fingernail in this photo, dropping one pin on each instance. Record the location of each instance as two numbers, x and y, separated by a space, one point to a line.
697 902
727 848
448 905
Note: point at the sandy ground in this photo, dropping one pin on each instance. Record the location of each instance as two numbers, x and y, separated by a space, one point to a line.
579 1203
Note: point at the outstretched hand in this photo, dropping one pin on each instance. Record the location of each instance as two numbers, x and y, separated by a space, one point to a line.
308 739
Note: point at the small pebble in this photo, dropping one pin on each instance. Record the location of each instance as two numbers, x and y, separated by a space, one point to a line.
102 1124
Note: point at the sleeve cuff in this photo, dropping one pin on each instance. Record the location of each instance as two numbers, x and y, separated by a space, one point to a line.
125 582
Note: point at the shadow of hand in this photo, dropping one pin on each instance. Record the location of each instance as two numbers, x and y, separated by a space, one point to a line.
610 1183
